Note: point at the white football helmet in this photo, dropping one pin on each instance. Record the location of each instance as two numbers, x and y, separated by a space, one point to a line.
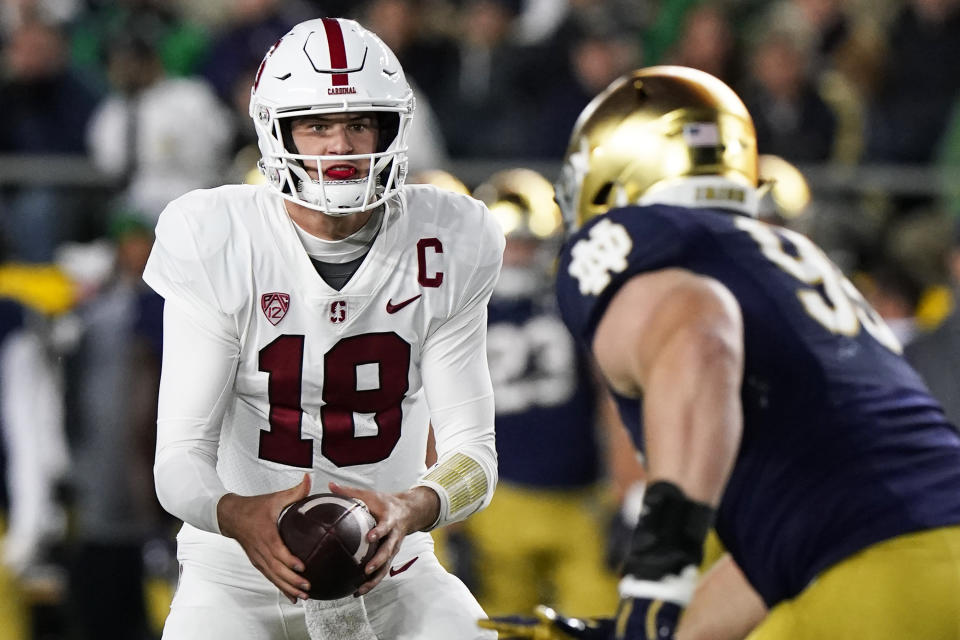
331 65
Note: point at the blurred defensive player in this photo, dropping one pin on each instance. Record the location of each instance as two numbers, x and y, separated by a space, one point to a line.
776 405
34 457
541 538
315 325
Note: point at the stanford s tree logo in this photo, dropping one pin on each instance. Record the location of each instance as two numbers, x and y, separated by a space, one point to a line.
275 306
338 311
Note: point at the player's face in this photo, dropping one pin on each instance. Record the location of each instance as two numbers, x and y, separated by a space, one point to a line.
338 134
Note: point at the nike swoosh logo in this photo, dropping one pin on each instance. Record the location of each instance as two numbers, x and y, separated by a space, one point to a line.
393 308
394 572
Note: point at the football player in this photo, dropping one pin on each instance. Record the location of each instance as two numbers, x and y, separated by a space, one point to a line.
542 532
775 403
314 326
36 458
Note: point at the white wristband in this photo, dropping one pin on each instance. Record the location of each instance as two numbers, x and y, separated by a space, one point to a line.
672 588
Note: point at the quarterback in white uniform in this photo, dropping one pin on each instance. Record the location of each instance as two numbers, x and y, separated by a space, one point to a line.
315 326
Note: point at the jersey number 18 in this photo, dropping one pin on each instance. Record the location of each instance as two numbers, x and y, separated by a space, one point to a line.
283 360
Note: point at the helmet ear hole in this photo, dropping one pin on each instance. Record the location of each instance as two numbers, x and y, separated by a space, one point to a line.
603 194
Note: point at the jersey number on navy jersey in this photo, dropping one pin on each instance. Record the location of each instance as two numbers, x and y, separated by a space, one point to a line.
364 374
828 296
531 365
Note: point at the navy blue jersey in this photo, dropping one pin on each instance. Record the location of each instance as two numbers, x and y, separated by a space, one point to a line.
11 317
148 320
842 444
543 396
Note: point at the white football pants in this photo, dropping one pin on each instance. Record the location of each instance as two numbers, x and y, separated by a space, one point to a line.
221 596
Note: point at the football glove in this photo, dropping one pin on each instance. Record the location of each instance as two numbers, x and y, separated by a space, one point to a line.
547 624
651 610
661 568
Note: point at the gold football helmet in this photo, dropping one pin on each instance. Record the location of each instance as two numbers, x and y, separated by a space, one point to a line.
654 129
522 202
439 178
786 192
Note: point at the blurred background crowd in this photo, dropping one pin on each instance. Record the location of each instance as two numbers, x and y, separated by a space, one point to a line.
112 108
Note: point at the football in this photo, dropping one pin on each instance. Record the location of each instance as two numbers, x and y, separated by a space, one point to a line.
329 534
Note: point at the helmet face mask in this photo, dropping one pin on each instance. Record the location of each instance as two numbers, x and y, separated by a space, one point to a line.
570 184
331 66
669 133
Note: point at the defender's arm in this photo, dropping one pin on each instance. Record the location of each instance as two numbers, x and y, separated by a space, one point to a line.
677 337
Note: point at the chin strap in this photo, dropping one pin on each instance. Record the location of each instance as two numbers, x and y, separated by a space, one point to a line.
334 194
337 197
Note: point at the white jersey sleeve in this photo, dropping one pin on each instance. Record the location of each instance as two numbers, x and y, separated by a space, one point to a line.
189 243
200 356
458 390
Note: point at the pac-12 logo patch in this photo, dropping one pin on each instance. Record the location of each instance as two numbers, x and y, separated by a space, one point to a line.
275 306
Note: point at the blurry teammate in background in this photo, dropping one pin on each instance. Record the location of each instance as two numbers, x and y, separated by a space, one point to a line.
439 178
541 539
34 457
784 193
315 325
775 404
936 355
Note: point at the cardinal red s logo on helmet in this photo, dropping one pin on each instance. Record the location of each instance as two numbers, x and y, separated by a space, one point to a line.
275 306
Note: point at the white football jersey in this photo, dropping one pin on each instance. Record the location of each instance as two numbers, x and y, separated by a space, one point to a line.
335 383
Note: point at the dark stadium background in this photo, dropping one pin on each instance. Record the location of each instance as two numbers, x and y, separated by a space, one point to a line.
111 109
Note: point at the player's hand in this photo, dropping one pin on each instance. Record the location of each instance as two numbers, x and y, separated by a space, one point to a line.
660 571
547 624
397 514
252 521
